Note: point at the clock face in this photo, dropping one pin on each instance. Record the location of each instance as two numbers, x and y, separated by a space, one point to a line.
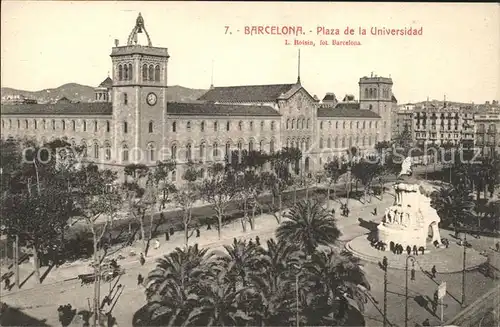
151 99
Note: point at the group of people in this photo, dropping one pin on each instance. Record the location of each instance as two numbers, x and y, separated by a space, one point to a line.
379 245
399 249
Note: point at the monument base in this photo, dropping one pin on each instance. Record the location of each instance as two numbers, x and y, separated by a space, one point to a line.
405 237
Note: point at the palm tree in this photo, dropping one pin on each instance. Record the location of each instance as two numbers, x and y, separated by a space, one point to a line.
309 225
241 262
454 206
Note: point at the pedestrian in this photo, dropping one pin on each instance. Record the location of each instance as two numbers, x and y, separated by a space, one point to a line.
426 322
375 211
167 236
257 240
250 243
497 246
172 231
385 263
142 260
209 227
412 274
415 250
140 279
157 244
422 249
408 249
347 212
333 212
7 283
197 232
433 271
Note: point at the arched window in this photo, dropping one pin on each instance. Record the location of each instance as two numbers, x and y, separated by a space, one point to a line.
174 127
44 123
151 151
120 72
288 124
108 127
240 125
321 143
228 150
202 151
53 124
10 123
95 125
107 151
216 126
174 152
337 125
308 123
202 126
18 123
96 150
124 153
261 145
125 98
151 73
366 92
188 126
84 126
26 124
336 142
125 127
73 125
150 127
144 72
262 125
357 124
329 143
215 150
125 72
293 123
271 146
227 126
157 73
272 126
63 122
251 125
130 74
303 123
35 124
189 153
240 146
250 145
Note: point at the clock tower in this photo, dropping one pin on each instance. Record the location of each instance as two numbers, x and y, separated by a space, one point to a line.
139 98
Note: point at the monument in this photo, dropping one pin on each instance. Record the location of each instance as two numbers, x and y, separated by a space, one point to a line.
411 218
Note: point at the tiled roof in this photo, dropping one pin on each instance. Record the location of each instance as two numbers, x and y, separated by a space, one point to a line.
329 97
108 82
247 93
211 109
83 108
350 111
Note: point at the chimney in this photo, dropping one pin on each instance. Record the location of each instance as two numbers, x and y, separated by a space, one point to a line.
117 42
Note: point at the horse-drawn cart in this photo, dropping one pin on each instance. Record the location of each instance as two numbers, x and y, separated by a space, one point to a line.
109 270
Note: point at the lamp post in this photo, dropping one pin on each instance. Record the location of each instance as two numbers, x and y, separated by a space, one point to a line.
384 266
348 183
297 308
463 270
408 259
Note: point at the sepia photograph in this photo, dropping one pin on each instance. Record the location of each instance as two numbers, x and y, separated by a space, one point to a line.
196 163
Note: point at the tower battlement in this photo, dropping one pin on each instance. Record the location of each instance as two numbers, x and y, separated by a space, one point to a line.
376 79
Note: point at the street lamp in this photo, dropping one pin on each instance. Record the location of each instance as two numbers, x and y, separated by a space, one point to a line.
297 312
408 259
463 270
384 267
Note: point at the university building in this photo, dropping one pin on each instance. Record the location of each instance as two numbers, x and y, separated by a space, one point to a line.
131 121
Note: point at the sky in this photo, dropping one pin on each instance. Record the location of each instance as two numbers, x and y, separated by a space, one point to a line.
46 44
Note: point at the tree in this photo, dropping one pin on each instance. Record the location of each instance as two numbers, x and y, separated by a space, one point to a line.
454 206
309 225
218 190
382 146
249 185
163 182
366 171
333 170
94 202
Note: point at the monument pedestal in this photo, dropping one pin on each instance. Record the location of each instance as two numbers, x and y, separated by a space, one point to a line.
405 237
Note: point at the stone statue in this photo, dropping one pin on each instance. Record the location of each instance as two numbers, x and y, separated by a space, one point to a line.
406 167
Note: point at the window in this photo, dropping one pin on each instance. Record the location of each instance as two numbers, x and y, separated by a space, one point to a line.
321 143
215 150
227 126
44 123
250 145
26 124
303 123
174 126
228 150
10 123
272 126
364 140
370 124
125 127
308 123
124 153
84 126
202 151
343 125
151 73
357 124
189 154
371 107
174 152
108 127
73 125
376 124
366 93
53 124
343 142
18 123
261 145
84 145
150 127
107 152
251 125
216 127
96 150
125 72
262 125
271 146
202 126
63 123
125 98
293 123
144 72
329 143
130 75
240 146
35 124
120 72
188 126
336 142
287 123
240 125
95 125
174 176
151 151
157 73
